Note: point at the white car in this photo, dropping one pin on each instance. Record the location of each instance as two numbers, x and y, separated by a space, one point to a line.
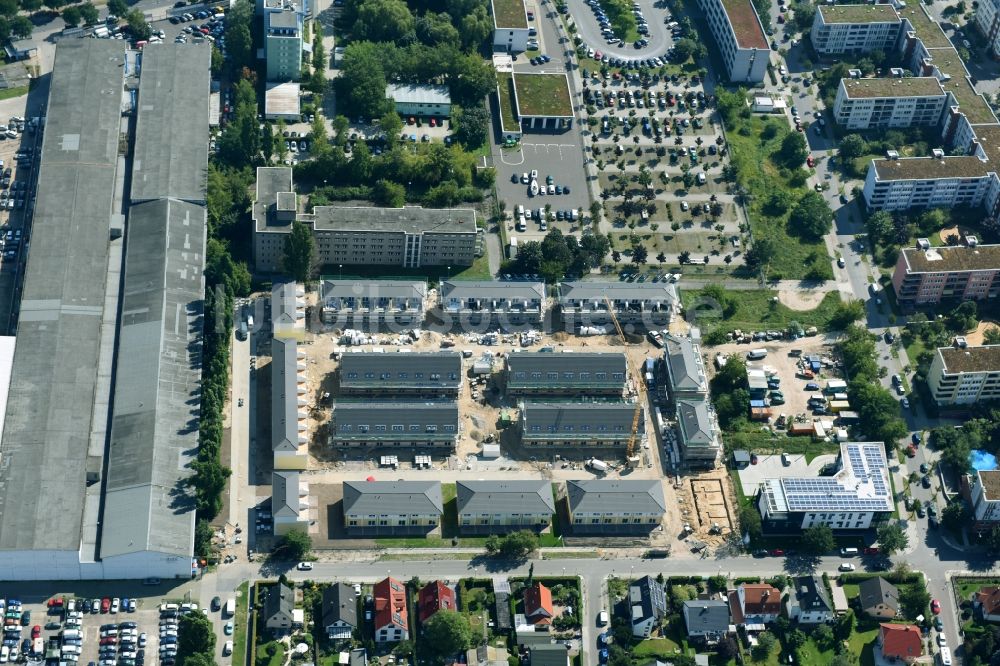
304 566
942 640
534 174
115 605
846 566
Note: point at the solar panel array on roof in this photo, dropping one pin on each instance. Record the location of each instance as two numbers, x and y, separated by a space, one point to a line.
860 486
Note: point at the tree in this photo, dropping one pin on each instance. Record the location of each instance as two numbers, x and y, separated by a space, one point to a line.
514 546
727 649
137 25
54 4
473 124
300 253
761 253
684 49
963 318
818 539
992 540
793 151
389 194
846 313
89 13
21 27
880 226
750 522
956 515
267 142
639 254
72 16
447 633
823 636
31 6
992 336
117 7
891 538
764 647
811 216
295 545
914 599
239 42
383 21
852 146
195 638
362 80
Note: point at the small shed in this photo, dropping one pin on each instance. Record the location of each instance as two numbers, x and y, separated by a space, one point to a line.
741 459
491 450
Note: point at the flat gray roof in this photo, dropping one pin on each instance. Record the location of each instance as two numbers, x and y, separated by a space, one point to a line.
504 496
50 411
270 181
392 497
414 93
154 432
282 19
615 496
171 134
408 219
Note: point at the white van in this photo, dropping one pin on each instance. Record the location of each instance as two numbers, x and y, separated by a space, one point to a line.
169 607
848 552
4 654
945 656
756 354
227 649
71 633
520 210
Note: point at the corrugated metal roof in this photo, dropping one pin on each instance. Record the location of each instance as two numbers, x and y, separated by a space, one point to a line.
616 495
504 497
154 432
392 497
415 93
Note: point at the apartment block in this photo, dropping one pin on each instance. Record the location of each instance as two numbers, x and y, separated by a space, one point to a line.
637 306
615 506
492 304
570 374
426 425
410 237
372 304
940 181
685 368
862 28
385 508
510 26
426 374
986 499
963 375
987 18
283 39
865 104
927 275
700 437
576 425
740 38
496 507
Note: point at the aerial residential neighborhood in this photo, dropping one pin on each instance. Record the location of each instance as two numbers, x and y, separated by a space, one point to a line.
486 332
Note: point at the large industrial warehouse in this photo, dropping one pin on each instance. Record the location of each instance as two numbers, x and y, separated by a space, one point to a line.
79 500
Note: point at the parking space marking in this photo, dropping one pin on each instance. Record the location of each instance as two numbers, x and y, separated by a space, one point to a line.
547 148
503 157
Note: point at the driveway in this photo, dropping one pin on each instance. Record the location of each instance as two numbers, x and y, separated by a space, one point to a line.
590 31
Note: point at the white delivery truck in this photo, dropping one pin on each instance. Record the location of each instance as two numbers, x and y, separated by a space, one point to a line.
597 465
230 608
756 354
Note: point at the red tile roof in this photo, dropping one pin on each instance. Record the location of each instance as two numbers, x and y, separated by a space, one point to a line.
761 600
390 604
989 597
900 640
538 604
434 597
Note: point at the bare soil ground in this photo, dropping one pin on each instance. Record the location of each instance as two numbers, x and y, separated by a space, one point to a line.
977 337
801 299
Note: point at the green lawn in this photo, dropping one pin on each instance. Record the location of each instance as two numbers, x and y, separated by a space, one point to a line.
479 270
240 624
663 648
750 150
967 586
278 658
508 119
861 643
8 93
757 308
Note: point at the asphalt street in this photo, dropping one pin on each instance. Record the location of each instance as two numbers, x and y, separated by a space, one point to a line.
590 31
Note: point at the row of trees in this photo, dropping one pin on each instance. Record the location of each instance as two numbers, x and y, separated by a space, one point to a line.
195 640
558 255
819 539
876 406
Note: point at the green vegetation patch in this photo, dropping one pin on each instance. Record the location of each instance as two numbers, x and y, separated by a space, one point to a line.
543 95
756 309
508 115
510 14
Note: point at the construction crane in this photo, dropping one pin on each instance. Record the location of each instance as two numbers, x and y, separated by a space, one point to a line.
631 457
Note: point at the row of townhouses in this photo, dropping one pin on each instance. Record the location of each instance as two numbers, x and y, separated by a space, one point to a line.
698 429
383 508
491 304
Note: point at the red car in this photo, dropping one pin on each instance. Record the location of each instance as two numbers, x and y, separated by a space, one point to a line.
55 602
36 631
871 551
753 458
935 606
109 640
777 552
810 161
105 605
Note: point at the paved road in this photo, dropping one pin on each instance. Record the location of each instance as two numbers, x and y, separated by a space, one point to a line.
590 31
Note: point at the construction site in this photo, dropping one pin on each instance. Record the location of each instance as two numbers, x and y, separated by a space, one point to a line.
488 443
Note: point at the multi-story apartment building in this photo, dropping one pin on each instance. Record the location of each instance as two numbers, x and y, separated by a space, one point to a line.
510 26
496 507
579 425
425 425
857 496
637 306
927 275
988 21
838 29
571 373
283 39
410 237
942 181
620 506
889 102
740 38
489 304
289 445
698 428
685 368
426 375
381 508
963 375
372 304
986 499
